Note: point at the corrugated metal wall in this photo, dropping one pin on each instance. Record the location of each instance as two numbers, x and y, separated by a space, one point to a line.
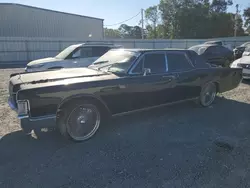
19 51
24 21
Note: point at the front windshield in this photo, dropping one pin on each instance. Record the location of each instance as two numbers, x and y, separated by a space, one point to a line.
116 61
65 53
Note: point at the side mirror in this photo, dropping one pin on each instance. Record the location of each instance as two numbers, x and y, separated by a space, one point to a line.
146 71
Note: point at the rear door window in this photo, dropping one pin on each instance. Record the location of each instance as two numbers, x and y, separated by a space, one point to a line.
178 61
156 62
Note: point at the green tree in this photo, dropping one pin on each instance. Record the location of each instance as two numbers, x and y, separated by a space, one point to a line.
246 15
112 33
130 32
152 17
220 5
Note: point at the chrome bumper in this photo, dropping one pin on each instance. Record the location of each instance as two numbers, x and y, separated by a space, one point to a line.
11 105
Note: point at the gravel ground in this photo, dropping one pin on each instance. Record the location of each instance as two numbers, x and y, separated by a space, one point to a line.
179 146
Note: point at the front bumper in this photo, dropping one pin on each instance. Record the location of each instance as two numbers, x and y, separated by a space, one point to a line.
246 73
27 123
14 107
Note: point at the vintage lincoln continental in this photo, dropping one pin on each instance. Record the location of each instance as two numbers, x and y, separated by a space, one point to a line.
119 82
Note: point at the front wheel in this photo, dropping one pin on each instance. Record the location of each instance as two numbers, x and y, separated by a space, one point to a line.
79 121
208 94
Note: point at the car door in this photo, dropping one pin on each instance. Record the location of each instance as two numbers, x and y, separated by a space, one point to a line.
187 81
154 88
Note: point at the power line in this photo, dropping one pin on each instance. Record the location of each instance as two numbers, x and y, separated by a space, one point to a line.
124 20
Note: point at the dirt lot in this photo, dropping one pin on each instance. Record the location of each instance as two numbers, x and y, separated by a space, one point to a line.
175 146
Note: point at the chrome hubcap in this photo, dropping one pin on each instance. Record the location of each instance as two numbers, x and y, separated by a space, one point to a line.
208 95
83 122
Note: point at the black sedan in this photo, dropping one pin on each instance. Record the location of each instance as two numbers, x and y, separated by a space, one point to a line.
215 54
122 81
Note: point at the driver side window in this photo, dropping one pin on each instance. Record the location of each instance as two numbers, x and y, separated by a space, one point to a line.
83 52
156 62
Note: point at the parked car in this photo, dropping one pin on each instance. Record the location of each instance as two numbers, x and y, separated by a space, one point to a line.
246 51
215 54
243 63
221 43
122 81
239 50
78 55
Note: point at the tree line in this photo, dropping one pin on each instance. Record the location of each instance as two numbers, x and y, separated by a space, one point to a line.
182 19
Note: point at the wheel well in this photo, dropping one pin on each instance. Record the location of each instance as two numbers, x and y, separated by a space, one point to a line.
217 87
103 108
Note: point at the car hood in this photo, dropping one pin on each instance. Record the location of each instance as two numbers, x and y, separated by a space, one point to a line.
42 61
53 76
243 60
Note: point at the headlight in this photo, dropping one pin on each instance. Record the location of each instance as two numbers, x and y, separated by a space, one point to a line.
22 108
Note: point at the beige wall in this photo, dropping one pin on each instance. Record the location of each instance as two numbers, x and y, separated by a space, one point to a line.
22 21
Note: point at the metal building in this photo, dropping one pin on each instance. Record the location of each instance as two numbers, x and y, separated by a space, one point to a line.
18 20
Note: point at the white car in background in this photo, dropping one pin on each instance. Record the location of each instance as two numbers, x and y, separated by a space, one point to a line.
78 55
221 43
247 50
243 63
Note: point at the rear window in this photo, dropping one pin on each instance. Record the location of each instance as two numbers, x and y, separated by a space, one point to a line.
178 62
198 49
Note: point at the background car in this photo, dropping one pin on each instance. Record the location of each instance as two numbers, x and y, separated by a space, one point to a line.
239 50
247 50
215 54
221 43
78 55
243 63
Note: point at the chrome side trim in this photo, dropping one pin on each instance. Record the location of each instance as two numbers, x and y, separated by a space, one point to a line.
153 107
43 118
22 116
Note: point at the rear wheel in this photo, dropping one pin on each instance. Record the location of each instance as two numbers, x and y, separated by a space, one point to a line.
79 121
208 94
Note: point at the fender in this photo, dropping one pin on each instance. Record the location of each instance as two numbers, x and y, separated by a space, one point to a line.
87 96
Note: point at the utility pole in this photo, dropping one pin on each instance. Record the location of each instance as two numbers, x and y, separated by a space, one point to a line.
142 23
236 20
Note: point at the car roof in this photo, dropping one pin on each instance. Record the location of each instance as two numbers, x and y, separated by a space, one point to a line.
204 45
213 41
97 44
152 50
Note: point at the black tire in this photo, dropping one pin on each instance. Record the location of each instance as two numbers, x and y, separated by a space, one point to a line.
207 95
68 122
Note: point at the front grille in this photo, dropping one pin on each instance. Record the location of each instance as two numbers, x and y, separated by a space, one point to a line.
244 66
